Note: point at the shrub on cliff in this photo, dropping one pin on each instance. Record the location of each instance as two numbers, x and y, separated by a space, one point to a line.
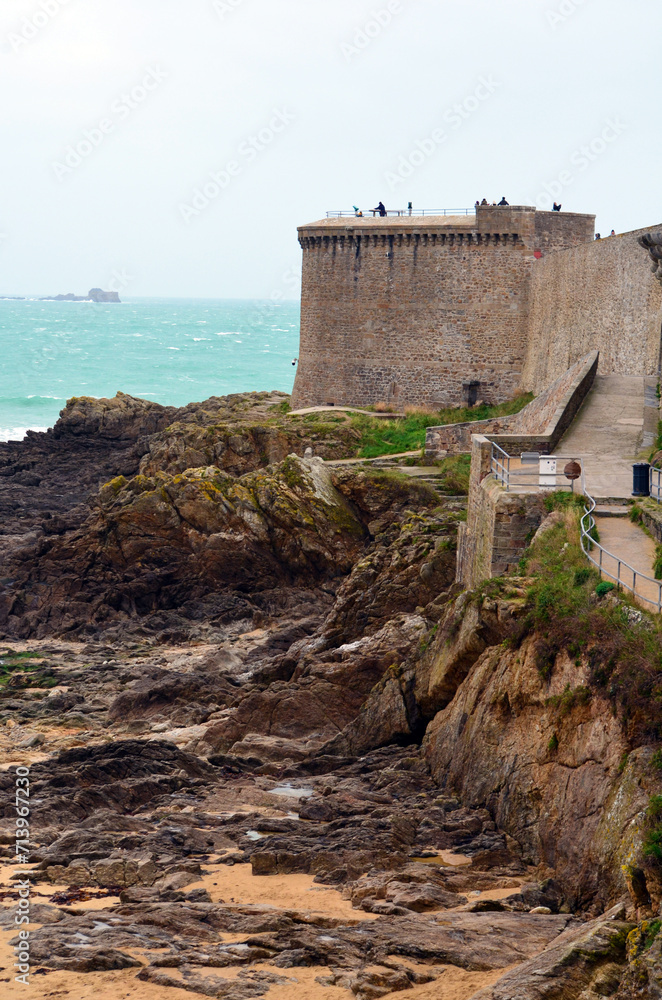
621 642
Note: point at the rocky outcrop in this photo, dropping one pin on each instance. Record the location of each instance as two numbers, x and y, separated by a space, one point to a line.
407 698
584 962
324 691
94 295
163 542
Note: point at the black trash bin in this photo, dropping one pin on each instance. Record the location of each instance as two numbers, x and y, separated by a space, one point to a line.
641 479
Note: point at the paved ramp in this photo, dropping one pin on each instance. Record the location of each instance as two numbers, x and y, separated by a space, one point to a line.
607 434
627 541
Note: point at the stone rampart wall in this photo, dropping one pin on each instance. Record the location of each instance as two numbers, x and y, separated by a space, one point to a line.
411 320
599 296
414 310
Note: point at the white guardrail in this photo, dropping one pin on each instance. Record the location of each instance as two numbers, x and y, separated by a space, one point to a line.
624 576
624 572
530 470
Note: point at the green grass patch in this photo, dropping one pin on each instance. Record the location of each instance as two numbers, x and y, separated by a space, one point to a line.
455 474
563 500
389 437
604 587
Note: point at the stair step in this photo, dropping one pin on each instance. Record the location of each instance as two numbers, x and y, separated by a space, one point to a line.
611 510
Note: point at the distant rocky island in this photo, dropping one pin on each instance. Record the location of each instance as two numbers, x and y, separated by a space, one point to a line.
94 295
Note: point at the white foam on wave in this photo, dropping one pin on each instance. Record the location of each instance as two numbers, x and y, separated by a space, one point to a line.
17 433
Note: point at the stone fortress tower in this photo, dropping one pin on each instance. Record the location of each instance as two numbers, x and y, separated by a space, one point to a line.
445 310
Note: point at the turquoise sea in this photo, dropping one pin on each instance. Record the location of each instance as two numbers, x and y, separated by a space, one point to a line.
173 351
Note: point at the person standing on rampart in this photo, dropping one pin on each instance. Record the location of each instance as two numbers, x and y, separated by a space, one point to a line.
503 201
381 209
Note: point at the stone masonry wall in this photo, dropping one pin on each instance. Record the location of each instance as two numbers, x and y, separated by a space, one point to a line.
598 296
411 310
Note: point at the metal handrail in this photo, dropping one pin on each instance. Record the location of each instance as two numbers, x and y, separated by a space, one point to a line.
403 211
501 465
501 469
507 476
587 526
656 487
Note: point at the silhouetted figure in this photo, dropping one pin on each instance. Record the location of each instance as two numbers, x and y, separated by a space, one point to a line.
613 232
381 209
557 208
597 236
484 201
410 207
503 201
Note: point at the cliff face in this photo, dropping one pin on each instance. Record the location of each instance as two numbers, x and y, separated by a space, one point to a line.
546 752
545 757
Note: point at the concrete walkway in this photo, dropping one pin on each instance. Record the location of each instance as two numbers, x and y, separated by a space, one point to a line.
627 541
607 434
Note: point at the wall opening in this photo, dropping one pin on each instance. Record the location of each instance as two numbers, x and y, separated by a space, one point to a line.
470 392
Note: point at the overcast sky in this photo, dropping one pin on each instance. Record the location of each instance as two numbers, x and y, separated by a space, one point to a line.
116 112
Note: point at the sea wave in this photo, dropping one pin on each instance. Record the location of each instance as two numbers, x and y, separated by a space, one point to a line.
32 402
17 433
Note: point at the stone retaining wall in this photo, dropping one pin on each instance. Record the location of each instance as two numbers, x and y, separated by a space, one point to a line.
499 525
538 427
